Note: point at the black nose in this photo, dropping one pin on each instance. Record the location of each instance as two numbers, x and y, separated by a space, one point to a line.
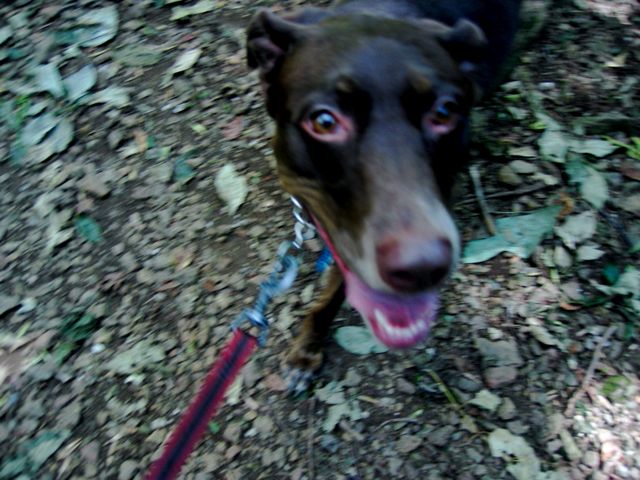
413 265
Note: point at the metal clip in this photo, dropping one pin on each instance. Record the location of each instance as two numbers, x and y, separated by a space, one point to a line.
304 228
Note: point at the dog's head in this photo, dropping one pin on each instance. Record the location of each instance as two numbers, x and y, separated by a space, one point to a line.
371 117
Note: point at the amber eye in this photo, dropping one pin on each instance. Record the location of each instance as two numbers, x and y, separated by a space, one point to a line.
443 114
323 122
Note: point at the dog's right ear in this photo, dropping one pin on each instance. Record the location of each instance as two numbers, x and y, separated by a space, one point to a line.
270 37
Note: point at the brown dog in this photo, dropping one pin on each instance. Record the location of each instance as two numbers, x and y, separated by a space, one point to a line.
371 101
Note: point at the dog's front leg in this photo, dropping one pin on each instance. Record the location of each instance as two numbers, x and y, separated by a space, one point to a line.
306 356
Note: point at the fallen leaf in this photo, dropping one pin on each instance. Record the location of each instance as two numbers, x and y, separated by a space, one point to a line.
37 128
358 340
97 27
408 443
233 129
526 152
519 235
577 228
231 187
486 400
554 146
138 55
185 61
47 79
541 334
203 6
182 171
89 229
332 393
587 253
137 357
79 83
505 445
596 148
335 413
6 33
115 96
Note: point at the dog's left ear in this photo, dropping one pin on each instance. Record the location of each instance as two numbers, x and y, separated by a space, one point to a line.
465 41
270 37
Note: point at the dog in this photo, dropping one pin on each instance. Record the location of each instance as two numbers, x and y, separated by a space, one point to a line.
371 101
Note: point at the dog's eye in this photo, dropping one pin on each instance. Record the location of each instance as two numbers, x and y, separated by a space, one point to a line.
442 118
324 123
328 126
443 114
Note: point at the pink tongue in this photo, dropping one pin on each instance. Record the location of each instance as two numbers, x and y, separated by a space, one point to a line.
397 321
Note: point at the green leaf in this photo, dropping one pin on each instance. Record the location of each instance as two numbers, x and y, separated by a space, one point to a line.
613 385
62 351
214 427
611 273
358 340
596 148
182 171
88 228
77 327
519 235
554 146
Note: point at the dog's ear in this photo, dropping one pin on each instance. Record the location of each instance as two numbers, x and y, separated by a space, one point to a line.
270 37
465 41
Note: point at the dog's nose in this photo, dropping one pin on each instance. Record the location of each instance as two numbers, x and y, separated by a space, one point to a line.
413 264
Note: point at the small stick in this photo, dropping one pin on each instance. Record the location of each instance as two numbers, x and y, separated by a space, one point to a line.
474 172
509 193
597 354
397 420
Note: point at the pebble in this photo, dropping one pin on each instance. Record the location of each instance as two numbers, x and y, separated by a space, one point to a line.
232 432
405 386
591 459
501 353
408 443
507 176
469 384
127 470
499 376
440 437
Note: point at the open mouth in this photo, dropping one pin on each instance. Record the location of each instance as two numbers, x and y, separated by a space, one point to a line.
397 320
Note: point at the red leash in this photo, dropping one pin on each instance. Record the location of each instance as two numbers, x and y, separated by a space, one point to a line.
194 421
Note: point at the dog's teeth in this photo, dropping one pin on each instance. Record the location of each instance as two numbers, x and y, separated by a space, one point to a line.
381 318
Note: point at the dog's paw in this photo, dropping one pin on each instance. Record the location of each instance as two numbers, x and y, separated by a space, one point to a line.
302 366
298 381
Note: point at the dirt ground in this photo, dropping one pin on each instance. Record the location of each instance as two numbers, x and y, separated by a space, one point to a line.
121 266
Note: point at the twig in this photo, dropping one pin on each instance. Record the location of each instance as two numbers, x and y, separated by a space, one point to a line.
312 408
597 354
509 193
397 420
474 172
